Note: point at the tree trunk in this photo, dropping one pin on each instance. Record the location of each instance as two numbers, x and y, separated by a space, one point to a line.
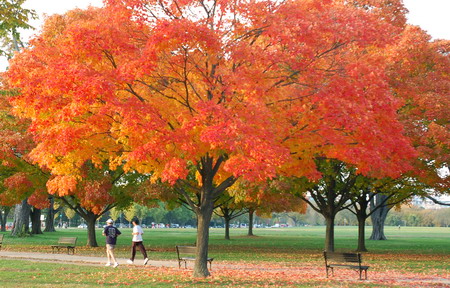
36 221
204 218
4 217
329 236
378 218
361 234
250 222
209 193
91 218
50 218
21 219
50 221
361 214
227 228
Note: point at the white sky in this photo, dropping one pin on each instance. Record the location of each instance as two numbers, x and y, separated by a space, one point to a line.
432 16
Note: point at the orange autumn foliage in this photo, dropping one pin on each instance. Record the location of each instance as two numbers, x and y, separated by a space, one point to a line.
267 198
92 192
231 89
419 73
19 179
39 199
270 87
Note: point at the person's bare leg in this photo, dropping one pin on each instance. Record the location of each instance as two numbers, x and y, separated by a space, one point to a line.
108 256
113 259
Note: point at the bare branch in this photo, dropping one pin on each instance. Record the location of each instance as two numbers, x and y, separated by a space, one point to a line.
437 201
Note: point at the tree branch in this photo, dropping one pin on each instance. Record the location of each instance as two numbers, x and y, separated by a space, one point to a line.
437 201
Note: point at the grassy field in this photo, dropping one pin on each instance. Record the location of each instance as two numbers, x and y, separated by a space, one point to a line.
416 250
407 240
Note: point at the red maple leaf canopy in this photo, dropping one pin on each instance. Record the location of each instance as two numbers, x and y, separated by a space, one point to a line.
266 86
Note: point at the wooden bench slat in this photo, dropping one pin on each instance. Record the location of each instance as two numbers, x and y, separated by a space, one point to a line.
67 240
187 249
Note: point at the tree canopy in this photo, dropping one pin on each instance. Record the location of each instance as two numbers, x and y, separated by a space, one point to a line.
218 91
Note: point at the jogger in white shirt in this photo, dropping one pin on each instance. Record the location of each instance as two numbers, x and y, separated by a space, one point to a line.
137 242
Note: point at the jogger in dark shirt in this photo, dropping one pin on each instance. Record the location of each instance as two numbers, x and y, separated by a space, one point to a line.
111 234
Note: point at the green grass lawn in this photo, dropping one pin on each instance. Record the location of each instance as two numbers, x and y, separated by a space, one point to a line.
408 250
267 242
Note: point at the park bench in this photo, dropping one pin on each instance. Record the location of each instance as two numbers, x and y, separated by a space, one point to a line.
1 240
187 253
65 243
344 260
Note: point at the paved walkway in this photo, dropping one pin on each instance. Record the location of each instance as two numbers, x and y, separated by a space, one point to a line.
78 259
95 260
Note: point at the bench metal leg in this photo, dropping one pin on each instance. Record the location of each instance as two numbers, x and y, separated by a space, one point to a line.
332 271
365 274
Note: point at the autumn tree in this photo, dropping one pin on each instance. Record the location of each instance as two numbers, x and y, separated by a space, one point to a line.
69 214
141 212
371 196
94 194
229 210
180 215
158 213
4 212
419 74
201 94
38 201
130 213
22 183
50 217
263 199
114 213
331 193
13 18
